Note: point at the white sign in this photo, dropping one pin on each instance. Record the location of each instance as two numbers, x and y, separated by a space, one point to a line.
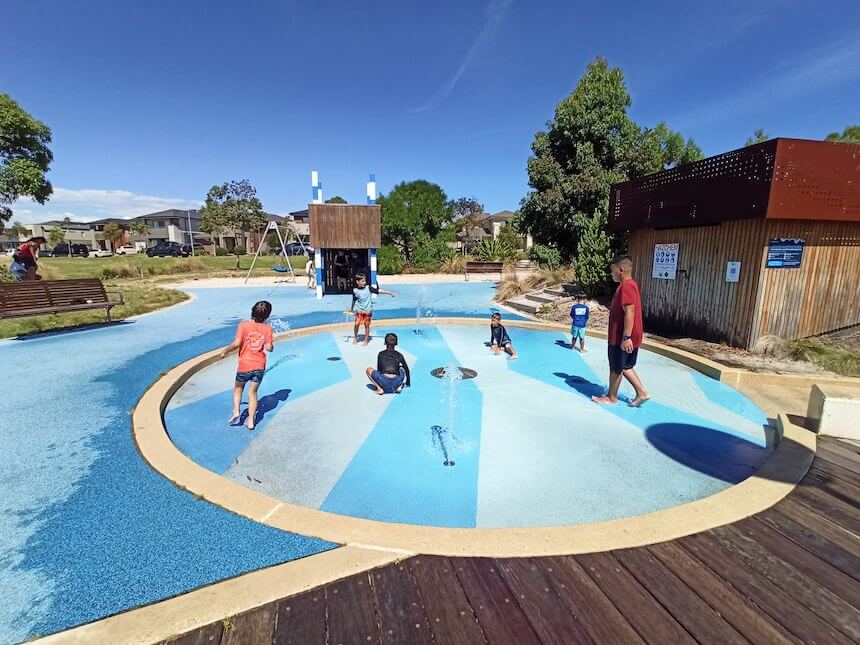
733 271
665 261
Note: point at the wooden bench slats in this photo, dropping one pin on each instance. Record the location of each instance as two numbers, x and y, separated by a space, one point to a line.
482 267
19 299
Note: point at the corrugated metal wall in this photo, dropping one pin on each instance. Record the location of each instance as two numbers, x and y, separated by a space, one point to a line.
822 294
699 303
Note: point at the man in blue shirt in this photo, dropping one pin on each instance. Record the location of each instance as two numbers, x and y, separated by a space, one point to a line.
579 312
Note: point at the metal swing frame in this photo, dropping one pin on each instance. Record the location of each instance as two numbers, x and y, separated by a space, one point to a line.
291 232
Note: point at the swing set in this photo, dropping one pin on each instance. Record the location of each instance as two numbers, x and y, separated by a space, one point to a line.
291 233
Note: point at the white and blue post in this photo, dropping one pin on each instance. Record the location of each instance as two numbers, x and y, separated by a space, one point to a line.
371 199
316 198
316 188
318 263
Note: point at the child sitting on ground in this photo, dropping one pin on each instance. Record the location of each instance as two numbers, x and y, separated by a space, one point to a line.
362 305
391 372
579 314
253 339
499 339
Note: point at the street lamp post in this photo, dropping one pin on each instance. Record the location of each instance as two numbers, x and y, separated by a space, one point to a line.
190 232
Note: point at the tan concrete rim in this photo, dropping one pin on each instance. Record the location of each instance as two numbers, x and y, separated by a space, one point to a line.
776 478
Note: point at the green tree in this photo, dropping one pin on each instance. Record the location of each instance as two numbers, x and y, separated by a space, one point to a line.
759 136
17 228
508 236
590 144
851 134
593 253
139 228
468 215
233 206
24 157
415 214
113 234
57 235
337 199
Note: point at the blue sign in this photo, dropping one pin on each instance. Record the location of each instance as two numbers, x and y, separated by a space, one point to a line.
784 253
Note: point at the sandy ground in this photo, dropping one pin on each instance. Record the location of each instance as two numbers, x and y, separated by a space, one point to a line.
301 281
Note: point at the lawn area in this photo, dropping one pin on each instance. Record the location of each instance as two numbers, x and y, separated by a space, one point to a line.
137 276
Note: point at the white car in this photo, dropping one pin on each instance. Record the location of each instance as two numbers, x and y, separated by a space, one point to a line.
100 253
126 250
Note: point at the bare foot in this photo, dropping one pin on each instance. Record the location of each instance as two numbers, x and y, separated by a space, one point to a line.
513 358
249 425
233 420
604 400
583 351
380 391
639 400
365 343
355 342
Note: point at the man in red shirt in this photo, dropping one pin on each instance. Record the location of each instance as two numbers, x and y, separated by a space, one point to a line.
625 334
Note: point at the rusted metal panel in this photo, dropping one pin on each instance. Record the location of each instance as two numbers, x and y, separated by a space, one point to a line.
815 180
345 226
731 186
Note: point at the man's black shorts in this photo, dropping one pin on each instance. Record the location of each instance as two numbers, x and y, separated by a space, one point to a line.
619 360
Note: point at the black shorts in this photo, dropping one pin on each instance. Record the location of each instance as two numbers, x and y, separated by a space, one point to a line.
619 360
27 261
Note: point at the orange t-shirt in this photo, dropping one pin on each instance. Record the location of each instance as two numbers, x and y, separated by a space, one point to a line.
253 338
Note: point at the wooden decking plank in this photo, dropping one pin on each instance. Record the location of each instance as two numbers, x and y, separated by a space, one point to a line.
500 616
448 612
697 616
398 606
830 607
647 616
301 619
833 455
256 627
777 603
823 503
836 486
206 635
820 524
821 466
546 611
811 539
743 614
843 443
350 614
817 569
601 619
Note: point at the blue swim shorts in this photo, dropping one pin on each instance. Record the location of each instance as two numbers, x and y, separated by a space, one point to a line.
388 383
254 376
577 332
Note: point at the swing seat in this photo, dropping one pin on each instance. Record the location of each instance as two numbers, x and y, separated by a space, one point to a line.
281 269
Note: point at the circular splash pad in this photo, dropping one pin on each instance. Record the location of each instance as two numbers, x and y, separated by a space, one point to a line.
521 446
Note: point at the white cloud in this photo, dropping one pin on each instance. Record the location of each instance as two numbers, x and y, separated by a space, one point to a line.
89 204
495 14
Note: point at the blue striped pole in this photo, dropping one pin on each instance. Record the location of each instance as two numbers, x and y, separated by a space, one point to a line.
316 188
318 261
371 189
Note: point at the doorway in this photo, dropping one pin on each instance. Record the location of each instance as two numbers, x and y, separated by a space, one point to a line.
341 265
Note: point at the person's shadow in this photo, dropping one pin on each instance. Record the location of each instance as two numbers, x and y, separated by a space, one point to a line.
564 344
585 387
266 404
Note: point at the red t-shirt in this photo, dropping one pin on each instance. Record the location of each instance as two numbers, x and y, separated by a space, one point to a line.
627 293
253 338
26 251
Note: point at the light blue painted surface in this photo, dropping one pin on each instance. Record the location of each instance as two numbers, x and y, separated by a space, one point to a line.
87 529
530 447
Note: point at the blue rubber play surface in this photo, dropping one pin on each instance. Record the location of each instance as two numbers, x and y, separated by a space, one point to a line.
521 444
87 528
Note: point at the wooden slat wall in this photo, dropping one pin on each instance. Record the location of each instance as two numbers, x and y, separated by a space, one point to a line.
701 304
345 226
821 295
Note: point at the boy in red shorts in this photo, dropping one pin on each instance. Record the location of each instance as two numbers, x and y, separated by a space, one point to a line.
253 340
362 305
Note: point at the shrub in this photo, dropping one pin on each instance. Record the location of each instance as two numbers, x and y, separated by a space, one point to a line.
494 250
390 260
239 250
454 263
429 253
5 276
545 256
221 252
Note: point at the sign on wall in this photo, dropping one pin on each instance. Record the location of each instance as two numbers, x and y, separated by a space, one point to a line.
784 253
733 271
665 261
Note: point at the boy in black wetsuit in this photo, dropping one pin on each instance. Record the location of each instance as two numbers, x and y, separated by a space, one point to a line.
391 372
499 339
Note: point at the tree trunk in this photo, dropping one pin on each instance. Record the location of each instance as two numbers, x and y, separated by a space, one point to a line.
237 262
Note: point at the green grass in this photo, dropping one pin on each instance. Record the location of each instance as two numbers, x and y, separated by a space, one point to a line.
841 360
140 297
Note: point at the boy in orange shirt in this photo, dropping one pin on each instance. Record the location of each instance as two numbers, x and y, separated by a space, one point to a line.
253 340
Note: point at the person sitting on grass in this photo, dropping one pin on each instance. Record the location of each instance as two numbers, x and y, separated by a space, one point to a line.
579 313
362 305
253 339
392 372
499 339
26 257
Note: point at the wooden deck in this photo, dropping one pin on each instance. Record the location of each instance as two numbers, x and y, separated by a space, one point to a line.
790 574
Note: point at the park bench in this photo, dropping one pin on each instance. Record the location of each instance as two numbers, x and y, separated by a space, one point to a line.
482 267
37 297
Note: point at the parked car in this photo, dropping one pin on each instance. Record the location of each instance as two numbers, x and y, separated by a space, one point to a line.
100 253
164 249
61 250
126 249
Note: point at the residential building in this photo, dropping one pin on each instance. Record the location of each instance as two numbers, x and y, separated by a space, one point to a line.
494 223
75 232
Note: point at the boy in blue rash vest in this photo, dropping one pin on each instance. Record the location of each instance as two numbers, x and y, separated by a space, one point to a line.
499 339
362 305
579 314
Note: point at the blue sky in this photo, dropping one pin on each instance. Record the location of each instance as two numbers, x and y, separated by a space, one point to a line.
153 102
